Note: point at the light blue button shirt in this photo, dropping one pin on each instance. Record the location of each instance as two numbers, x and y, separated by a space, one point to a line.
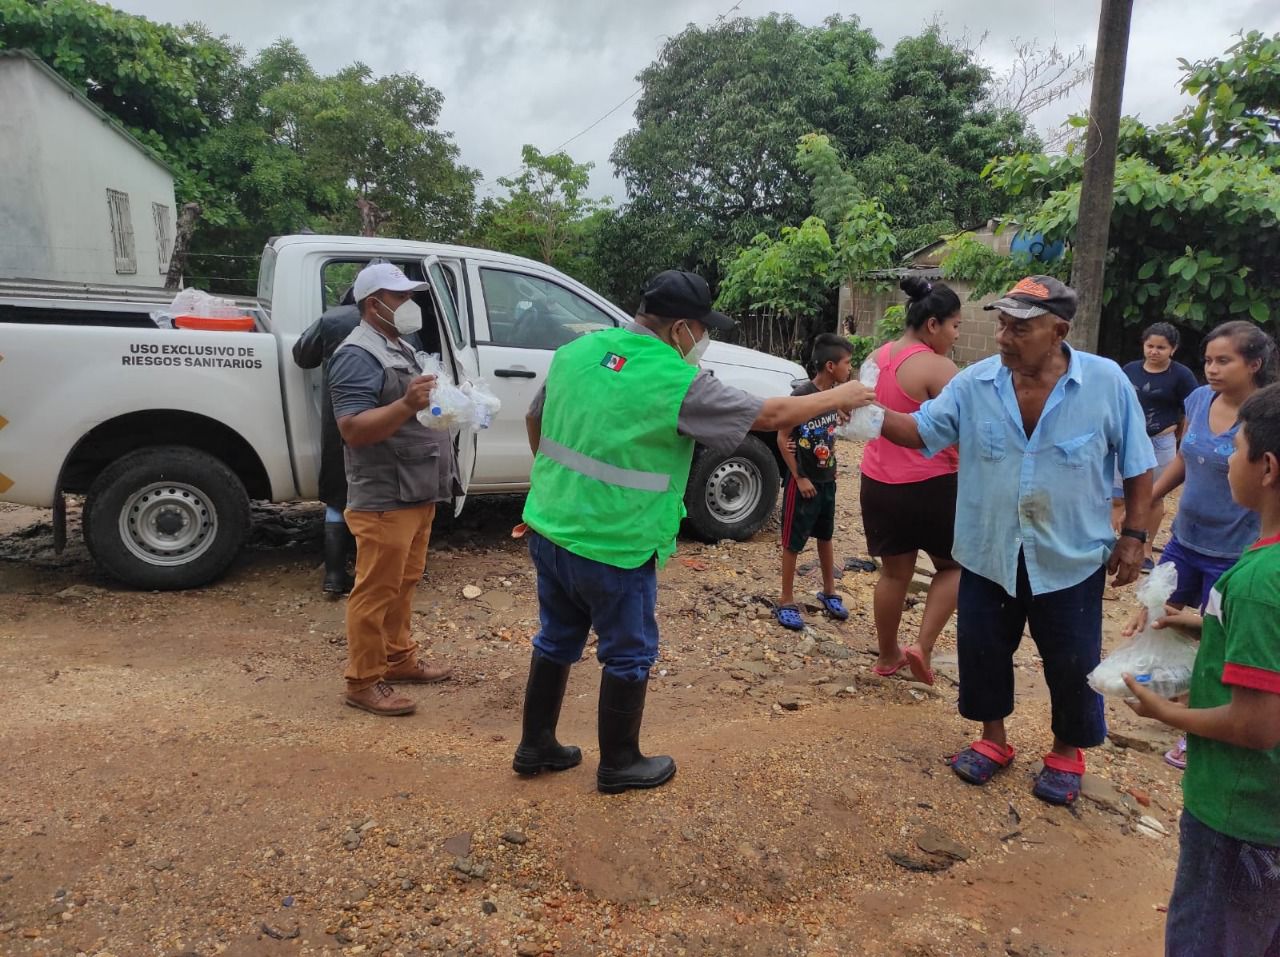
1047 496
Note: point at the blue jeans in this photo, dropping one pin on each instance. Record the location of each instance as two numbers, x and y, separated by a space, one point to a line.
334 516
1066 626
1226 896
576 594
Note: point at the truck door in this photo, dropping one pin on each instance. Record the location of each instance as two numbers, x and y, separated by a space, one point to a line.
448 293
527 317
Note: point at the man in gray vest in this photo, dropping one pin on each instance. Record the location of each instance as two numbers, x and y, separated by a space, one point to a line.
397 471
313 349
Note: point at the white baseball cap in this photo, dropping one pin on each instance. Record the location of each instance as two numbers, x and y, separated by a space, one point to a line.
386 276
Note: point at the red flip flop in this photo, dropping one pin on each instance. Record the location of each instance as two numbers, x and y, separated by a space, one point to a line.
915 661
890 672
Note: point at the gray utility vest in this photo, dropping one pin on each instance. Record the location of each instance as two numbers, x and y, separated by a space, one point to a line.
415 465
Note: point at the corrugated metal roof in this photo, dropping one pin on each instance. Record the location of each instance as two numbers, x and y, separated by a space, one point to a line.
901 272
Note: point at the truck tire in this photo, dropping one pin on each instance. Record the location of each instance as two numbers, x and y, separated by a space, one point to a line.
166 518
731 496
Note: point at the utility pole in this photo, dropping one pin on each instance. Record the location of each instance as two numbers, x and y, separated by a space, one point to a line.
1097 190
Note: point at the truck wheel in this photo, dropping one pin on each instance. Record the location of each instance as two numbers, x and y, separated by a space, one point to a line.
731 496
166 518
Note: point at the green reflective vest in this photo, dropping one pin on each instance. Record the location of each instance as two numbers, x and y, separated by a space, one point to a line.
609 478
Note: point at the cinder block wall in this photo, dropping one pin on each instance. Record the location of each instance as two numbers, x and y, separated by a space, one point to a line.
866 303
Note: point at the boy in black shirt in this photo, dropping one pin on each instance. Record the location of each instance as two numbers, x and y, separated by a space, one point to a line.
809 495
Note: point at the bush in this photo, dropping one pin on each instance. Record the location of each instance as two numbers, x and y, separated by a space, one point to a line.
862 347
892 324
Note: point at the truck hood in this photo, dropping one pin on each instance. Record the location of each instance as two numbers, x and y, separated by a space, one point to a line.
725 354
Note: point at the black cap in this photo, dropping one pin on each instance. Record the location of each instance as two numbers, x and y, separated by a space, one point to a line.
1036 295
682 295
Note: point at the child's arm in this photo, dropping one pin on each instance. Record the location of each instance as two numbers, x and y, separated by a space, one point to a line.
1184 620
1251 720
786 448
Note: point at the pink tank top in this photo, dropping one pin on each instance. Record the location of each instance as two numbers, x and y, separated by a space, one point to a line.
889 463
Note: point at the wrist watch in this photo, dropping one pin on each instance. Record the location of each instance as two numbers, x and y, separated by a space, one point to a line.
1139 534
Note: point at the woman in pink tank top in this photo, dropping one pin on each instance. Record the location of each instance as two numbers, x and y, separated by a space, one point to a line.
909 501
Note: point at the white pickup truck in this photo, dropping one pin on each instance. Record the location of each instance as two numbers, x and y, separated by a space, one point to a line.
168 433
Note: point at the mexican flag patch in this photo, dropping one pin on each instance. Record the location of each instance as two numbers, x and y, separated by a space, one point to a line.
613 362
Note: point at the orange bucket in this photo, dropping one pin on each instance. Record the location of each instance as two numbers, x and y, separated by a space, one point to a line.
210 324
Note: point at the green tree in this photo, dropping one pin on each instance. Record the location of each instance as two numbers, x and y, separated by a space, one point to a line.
546 213
863 239
785 290
1194 233
779 286
834 189
712 161
377 137
639 240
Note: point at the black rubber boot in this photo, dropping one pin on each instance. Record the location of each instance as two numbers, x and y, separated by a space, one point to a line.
336 580
539 750
622 766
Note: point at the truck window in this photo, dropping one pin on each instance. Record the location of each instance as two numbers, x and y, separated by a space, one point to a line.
446 285
533 313
267 275
336 277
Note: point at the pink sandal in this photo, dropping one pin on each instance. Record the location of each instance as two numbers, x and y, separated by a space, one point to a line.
915 660
890 672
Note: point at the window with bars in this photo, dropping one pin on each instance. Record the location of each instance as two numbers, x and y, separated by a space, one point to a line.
122 232
164 235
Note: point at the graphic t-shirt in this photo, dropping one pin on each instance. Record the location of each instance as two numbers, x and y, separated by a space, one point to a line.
1208 520
1235 790
1161 393
816 442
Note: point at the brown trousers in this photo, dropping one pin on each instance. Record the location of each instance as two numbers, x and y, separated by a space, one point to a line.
391 553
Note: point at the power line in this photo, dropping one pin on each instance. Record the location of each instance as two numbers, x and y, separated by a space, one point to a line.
631 96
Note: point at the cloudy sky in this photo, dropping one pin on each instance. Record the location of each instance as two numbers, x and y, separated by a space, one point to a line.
542 71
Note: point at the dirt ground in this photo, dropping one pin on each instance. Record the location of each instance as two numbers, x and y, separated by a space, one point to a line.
180 777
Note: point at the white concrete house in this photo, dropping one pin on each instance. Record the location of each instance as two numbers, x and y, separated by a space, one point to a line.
81 200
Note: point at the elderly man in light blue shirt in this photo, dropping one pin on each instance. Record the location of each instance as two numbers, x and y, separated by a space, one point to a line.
1040 428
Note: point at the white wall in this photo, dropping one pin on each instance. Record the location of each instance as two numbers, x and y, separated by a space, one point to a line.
58 158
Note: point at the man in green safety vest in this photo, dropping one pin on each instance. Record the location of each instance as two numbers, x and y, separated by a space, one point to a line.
613 432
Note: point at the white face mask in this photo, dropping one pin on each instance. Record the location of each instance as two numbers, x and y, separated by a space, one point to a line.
699 349
407 318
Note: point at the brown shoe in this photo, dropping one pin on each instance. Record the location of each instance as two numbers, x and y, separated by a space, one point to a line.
418 672
381 699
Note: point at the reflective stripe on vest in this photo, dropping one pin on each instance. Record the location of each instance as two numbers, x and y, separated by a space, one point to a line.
608 481
603 471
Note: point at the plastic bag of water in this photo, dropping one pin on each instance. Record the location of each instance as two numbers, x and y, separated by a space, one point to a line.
470 405
865 423
1160 659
